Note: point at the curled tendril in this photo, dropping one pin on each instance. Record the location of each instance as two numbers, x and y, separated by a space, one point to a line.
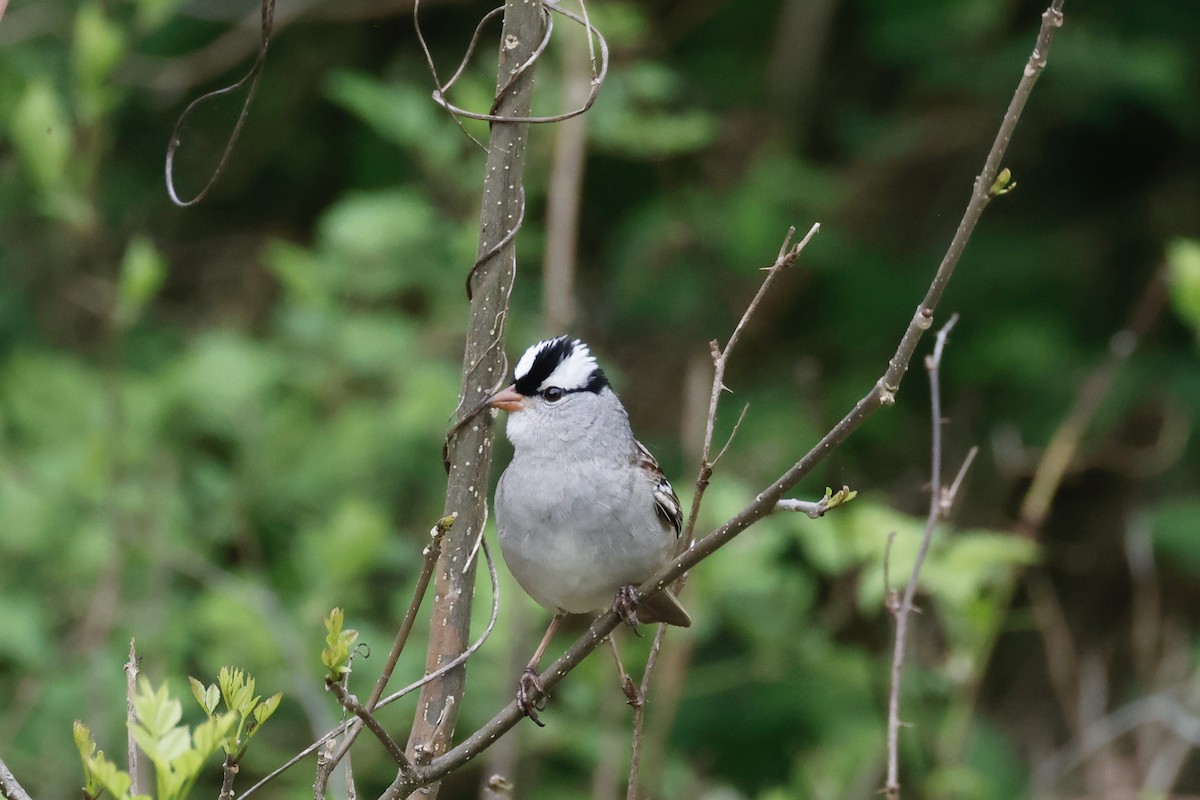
251 77
599 70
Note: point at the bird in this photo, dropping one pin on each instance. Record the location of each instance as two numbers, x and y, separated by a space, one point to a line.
583 511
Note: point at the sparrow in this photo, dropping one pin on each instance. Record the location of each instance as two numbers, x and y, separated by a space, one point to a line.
583 510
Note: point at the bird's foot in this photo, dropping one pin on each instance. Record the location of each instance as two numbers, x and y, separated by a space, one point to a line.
625 604
529 692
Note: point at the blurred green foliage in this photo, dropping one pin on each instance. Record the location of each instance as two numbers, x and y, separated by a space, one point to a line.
217 424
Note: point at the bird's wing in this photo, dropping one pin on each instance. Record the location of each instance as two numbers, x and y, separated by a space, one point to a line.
665 500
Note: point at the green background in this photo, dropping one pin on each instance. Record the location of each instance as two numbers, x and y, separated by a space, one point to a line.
218 423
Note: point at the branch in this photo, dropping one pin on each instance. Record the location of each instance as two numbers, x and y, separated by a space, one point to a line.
821 507
348 724
351 704
10 789
985 188
1064 444
229 771
720 358
937 505
431 554
470 451
788 254
131 674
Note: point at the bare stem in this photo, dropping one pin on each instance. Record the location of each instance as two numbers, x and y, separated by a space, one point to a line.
720 357
431 553
10 789
470 451
351 704
229 771
904 609
131 675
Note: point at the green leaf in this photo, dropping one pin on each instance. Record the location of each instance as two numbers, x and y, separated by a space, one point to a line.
265 709
83 739
1183 260
197 691
107 776
99 47
212 733
1175 523
173 743
42 134
147 741
336 655
143 270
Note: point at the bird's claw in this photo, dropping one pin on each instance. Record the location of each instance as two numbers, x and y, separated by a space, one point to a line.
625 605
529 691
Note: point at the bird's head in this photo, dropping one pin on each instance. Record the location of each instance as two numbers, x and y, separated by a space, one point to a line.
558 393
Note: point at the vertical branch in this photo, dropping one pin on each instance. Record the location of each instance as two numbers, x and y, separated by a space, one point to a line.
470 451
131 675
939 503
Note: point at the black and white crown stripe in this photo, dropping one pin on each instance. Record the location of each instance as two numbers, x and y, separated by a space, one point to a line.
563 362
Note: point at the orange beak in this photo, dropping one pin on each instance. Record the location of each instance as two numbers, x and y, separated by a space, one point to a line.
507 400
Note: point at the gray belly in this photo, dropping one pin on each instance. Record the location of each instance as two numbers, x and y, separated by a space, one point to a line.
572 543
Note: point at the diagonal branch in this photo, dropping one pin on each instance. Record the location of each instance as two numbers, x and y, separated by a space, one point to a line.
10 789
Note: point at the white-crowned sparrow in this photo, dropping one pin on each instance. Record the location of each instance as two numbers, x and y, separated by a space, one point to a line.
584 512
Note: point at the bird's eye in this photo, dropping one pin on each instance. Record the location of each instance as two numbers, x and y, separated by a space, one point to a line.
553 394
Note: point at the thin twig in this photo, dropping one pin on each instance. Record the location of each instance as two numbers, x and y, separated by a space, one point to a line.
348 724
10 788
267 20
952 492
351 704
431 553
787 256
462 657
720 358
131 675
1064 444
932 365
